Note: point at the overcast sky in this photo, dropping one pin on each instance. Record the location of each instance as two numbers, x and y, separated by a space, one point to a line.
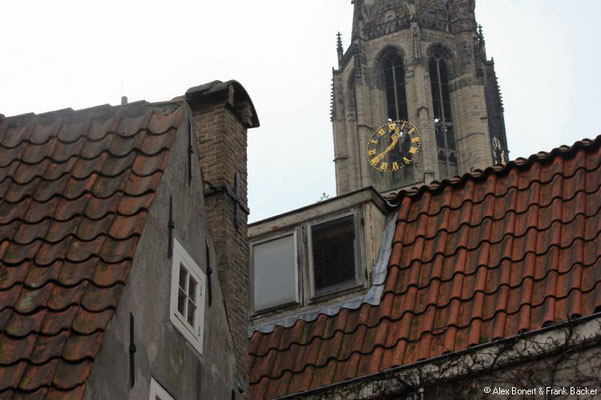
62 54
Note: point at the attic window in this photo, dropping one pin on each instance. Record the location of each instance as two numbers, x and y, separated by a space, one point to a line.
274 271
157 392
333 250
187 297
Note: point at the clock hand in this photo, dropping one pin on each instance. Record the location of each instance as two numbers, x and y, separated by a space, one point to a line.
395 140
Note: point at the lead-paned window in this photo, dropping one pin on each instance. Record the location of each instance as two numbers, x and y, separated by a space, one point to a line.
274 273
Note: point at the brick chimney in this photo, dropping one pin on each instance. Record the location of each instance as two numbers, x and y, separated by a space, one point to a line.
222 112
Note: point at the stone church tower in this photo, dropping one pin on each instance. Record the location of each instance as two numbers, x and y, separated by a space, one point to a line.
425 61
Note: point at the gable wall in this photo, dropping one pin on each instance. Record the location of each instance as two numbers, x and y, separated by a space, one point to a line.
162 352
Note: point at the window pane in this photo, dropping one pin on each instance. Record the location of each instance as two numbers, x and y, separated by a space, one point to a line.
440 139
388 76
183 274
394 84
191 312
450 138
192 289
274 270
181 302
333 253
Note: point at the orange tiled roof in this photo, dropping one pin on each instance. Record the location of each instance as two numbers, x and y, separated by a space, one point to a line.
75 188
475 259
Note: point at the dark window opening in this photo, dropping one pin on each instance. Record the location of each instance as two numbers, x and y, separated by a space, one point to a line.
334 245
394 86
443 116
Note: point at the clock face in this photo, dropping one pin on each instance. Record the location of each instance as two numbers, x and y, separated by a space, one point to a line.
393 146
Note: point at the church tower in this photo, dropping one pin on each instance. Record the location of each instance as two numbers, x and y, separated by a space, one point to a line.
423 61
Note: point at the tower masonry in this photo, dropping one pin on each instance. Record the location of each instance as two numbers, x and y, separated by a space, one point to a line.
423 61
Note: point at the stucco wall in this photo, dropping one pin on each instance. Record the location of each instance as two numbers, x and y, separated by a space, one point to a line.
162 352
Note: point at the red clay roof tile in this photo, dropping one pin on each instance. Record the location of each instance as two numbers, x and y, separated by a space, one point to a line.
474 259
75 188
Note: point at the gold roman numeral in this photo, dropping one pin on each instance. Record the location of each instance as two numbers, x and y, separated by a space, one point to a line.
413 150
371 152
406 160
374 141
415 139
380 132
395 166
383 166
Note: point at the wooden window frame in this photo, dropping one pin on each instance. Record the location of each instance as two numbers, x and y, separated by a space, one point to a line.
194 334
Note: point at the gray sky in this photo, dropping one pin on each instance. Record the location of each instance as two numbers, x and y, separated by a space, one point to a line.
72 54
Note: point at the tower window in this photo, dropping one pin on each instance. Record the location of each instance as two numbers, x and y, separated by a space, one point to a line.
443 116
394 85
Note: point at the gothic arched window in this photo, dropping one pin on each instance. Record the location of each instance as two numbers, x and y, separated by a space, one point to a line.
443 116
394 86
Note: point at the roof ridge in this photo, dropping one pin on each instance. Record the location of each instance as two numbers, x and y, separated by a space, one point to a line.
99 112
519 163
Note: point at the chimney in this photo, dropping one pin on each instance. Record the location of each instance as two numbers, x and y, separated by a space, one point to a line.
221 114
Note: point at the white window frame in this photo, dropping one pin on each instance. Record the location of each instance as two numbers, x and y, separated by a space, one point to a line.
194 334
297 267
156 390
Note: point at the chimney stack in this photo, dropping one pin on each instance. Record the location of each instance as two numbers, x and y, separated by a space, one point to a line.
222 112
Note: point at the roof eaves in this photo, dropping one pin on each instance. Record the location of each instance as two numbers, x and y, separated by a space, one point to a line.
386 374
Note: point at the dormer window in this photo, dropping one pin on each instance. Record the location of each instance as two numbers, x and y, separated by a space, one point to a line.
274 272
307 263
314 255
333 255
